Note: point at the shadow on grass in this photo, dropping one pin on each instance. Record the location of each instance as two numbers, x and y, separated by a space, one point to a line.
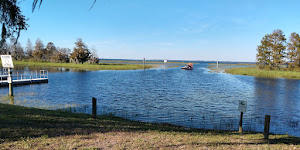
17 122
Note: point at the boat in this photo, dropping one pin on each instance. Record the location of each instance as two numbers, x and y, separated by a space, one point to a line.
188 67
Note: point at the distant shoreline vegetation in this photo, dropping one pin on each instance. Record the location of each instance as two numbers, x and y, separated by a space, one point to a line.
275 58
84 66
275 53
253 70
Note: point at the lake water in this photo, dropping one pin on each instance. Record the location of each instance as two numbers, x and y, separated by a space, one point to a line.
196 98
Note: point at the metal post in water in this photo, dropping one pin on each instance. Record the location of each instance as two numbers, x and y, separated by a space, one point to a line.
36 73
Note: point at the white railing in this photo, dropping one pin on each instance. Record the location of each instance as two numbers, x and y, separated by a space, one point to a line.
23 75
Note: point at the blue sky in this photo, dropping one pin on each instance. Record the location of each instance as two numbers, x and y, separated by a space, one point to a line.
224 30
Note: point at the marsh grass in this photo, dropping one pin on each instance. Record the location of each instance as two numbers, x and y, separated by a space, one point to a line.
253 71
85 66
31 128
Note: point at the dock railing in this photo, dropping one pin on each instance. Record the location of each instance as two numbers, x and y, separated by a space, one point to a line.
24 75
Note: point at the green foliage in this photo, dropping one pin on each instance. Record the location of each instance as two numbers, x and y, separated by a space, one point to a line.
294 51
11 19
275 54
272 50
38 51
253 71
80 53
85 66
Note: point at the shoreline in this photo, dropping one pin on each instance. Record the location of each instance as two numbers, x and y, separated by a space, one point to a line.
252 70
32 128
84 66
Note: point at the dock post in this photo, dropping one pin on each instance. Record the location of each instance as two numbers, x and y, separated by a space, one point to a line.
267 126
10 84
94 107
241 123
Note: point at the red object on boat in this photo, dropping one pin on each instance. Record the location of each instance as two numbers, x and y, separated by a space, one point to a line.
190 64
188 67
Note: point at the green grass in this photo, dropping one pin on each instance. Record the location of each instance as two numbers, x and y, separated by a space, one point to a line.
31 128
253 71
85 66
141 61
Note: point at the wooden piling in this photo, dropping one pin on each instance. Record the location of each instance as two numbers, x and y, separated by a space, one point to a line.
267 126
241 123
94 108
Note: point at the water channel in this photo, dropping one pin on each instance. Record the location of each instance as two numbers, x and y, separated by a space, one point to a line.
196 98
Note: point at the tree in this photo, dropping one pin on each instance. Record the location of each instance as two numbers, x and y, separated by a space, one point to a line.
5 49
49 51
278 46
61 55
29 49
263 57
11 19
294 50
272 50
38 51
94 57
80 53
16 50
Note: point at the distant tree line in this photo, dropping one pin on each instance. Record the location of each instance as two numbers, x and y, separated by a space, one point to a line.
275 53
38 52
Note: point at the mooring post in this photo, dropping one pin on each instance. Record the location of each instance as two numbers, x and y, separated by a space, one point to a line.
144 63
94 108
241 123
10 83
267 126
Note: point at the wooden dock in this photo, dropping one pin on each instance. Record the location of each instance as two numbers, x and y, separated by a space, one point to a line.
22 79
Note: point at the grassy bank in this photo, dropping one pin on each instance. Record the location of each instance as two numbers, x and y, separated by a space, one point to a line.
253 71
85 66
213 67
30 128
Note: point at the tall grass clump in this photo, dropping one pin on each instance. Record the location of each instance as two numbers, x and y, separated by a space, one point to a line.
253 71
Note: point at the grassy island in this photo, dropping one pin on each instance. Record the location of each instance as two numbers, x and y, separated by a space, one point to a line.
253 71
32 128
85 66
